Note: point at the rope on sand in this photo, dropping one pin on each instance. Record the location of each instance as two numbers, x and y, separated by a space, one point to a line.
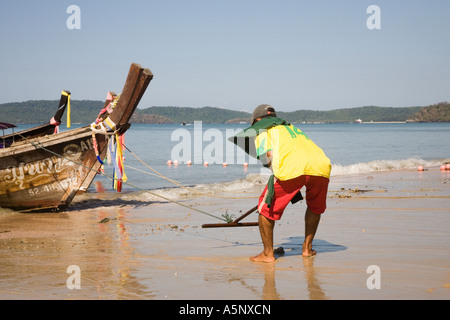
39 146
158 174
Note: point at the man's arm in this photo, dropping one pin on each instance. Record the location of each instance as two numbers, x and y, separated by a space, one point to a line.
266 159
269 157
263 149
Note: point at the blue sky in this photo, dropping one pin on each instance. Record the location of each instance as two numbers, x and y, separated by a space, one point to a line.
316 55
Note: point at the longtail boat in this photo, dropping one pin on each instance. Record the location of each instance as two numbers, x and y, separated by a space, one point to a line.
38 131
42 169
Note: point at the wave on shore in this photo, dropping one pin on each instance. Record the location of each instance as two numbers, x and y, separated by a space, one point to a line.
252 184
248 187
385 165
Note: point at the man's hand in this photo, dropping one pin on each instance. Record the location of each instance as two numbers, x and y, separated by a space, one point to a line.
266 159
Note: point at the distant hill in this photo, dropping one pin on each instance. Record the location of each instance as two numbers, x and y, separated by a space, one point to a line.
86 111
41 111
366 114
435 113
217 115
149 118
189 115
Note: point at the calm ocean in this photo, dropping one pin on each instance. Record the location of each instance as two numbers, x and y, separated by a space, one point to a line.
352 148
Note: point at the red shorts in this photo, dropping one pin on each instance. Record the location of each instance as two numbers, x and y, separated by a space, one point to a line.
316 195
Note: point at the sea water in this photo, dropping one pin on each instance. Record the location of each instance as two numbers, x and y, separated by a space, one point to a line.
352 148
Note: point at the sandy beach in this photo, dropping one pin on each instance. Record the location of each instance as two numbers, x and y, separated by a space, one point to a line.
397 221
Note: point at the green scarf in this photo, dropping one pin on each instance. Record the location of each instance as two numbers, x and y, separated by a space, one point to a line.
242 139
263 124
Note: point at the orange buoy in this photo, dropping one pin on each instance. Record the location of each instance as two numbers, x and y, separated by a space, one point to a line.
442 167
420 168
189 162
224 164
447 166
245 164
169 162
205 163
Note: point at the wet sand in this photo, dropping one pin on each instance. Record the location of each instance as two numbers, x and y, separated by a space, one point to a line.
397 221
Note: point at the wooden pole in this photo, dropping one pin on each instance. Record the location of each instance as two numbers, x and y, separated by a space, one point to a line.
236 222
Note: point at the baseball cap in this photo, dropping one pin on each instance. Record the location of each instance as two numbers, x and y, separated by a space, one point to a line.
262 111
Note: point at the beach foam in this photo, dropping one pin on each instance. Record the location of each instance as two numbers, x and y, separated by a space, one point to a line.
384 165
248 187
6 212
253 183
242 188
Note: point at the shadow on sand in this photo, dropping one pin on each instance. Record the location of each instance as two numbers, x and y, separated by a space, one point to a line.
99 203
293 246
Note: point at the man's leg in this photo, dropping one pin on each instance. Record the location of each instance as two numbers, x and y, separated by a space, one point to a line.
316 202
284 191
266 230
311 223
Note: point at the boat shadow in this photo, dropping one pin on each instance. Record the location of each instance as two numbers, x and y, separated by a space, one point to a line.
104 203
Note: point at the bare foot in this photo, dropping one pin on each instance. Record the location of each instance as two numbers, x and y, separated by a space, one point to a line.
262 257
308 252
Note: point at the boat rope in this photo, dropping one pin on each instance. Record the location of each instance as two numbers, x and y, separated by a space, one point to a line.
107 128
38 145
158 174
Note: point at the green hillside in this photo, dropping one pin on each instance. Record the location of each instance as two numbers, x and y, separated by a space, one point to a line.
366 114
86 111
189 115
439 112
41 111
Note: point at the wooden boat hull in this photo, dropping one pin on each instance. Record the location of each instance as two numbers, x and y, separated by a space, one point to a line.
45 173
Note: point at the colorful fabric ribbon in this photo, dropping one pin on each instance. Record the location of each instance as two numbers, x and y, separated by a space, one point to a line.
116 151
64 93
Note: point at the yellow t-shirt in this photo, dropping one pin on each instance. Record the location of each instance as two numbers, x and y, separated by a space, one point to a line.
293 153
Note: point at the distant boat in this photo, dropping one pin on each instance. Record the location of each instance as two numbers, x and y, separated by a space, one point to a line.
359 121
43 170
